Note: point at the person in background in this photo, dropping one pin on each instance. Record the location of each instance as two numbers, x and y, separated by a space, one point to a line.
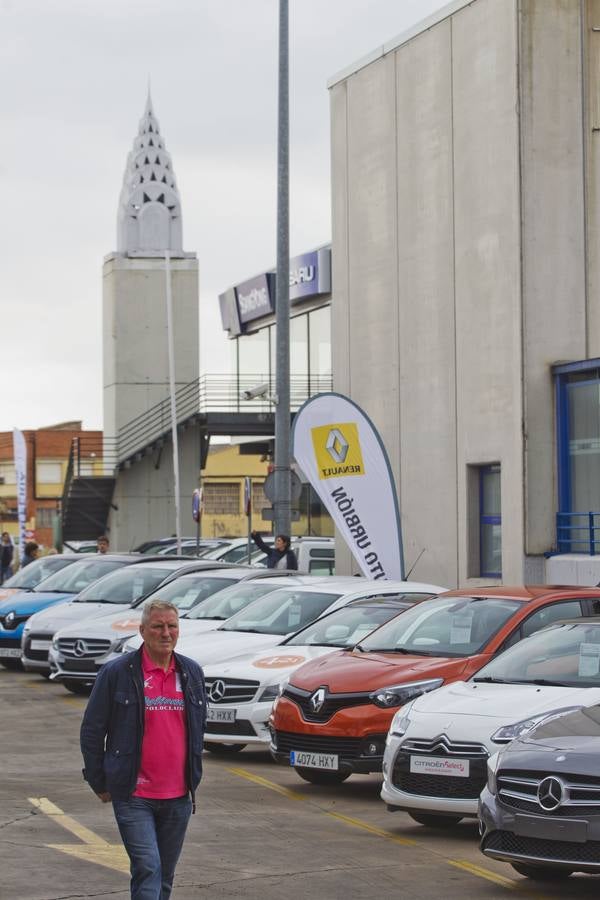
32 551
102 544
7 552
141 740
280 555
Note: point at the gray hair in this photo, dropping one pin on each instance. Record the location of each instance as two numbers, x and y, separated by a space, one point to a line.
157 605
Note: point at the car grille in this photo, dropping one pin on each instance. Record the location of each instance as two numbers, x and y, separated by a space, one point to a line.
332 703
9 643
14 623
83 648
443 786
41 655
348 748
231 690
241 728
519 790
542 849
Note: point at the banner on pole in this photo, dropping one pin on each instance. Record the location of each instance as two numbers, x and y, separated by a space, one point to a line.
20 455
341 453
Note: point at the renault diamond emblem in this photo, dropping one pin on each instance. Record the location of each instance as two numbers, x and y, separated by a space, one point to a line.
337 445
216 691
550 793
80 648
317 700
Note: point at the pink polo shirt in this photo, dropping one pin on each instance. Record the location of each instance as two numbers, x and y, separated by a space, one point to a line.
162 773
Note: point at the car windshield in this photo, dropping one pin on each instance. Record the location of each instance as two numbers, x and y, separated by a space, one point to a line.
281 612
189 590
37 571
232 600
345 627
237 554
454 626
76 577
127 585
567 654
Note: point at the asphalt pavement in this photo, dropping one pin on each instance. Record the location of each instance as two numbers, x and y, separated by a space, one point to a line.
259 831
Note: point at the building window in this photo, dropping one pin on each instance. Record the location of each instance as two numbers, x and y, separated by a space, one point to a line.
259 501
485 521
222 498
49 473
45 516
7 474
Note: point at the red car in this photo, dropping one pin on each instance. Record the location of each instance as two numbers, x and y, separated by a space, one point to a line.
333 715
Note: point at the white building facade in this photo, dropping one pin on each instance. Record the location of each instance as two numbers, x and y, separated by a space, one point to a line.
466 283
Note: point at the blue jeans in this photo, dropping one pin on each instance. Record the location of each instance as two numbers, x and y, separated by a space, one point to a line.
152 832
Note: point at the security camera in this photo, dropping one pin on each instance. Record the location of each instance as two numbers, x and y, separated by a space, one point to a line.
261 390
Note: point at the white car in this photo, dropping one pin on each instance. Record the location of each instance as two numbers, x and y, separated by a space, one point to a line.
242 690
315 555
79 650
437 751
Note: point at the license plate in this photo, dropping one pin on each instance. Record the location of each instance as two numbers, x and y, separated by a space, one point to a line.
220 715
12 652
551 829
314 760
40 645
439 765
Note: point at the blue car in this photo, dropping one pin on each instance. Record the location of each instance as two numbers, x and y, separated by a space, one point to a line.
57 588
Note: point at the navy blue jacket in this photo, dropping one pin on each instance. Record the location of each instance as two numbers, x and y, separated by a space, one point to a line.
113 725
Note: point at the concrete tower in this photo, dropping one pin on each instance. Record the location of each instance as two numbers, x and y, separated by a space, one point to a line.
135 347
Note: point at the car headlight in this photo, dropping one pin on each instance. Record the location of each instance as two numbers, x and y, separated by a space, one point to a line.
27 626
401 721
119 645
509 733
399 694
270 693
492 768
55 643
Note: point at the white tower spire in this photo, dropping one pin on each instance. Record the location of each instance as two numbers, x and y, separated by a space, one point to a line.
149 220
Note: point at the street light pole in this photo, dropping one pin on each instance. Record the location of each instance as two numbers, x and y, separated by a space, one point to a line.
282 503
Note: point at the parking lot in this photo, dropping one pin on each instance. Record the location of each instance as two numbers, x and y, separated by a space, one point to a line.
259 832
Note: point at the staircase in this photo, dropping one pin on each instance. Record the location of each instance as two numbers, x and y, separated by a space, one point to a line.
88 492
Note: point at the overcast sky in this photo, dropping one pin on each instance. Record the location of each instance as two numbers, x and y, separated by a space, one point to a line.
74 75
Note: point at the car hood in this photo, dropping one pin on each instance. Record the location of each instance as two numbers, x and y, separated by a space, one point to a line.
268 666
112 625
8 592
575 736
351 670
71 614
215 646
28 602
500 704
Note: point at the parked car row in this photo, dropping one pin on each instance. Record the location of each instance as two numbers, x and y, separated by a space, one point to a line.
470 703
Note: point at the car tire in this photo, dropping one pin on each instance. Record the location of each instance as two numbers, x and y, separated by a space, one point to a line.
14 665
541 873
318 776
218 748
430 820
79 688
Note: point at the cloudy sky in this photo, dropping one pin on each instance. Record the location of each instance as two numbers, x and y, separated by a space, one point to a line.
74 76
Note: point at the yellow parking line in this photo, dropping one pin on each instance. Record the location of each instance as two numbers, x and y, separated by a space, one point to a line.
471 868
84 834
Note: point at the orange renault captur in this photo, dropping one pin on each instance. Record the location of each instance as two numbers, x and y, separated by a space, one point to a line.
333 715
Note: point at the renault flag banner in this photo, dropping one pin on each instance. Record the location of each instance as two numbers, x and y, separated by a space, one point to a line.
20 455
341 453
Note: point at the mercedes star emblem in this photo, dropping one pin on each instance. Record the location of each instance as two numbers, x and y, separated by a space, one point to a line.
80 648
216 691
550 793
317 700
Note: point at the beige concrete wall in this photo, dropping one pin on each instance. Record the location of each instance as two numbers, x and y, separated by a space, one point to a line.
136 372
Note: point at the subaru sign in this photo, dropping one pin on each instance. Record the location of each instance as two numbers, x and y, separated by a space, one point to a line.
310 275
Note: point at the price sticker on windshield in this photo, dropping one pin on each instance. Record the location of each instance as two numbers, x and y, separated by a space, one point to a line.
461 627
294 615
589 660
188 599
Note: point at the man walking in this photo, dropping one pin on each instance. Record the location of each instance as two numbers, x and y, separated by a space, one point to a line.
141 740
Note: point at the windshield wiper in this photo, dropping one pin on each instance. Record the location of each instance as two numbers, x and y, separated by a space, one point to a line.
487 679
546 682
246 630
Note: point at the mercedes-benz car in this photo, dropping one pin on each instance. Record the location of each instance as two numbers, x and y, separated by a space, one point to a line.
438 746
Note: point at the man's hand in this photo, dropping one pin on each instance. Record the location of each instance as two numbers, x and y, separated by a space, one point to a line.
105 797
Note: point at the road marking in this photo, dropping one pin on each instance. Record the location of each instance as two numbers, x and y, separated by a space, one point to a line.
93 849
471 868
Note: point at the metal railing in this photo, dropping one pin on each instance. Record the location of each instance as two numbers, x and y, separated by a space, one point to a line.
213 393
576 532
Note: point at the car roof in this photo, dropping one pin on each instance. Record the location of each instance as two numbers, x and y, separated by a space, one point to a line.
526 592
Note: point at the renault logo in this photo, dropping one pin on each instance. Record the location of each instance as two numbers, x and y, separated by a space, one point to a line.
216 691
317 700
337 446
550 793
80 648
